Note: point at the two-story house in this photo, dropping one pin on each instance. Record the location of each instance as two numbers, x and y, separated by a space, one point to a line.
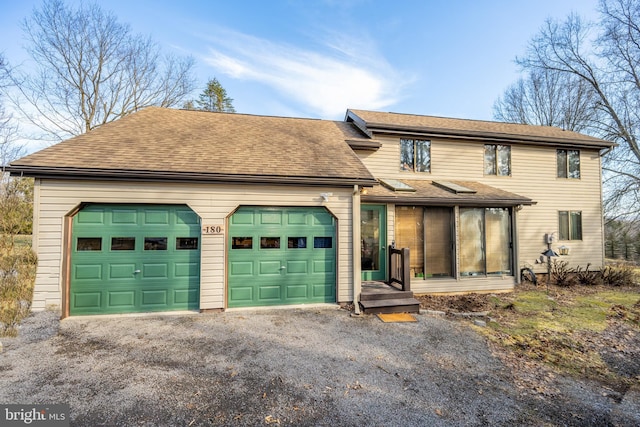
188 210
476 201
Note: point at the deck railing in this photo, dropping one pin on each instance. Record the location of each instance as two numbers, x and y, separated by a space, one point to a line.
399 270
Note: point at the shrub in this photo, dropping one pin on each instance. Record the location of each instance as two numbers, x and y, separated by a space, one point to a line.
17 274
587 277
619 275
561 274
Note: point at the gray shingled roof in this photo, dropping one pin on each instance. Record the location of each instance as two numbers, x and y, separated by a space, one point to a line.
161 143
430 193
374 121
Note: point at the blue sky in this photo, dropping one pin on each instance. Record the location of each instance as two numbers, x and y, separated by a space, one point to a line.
317 58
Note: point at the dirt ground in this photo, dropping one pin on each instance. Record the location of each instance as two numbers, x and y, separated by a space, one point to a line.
303 367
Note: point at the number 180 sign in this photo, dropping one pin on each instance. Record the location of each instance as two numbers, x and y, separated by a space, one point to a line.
212 229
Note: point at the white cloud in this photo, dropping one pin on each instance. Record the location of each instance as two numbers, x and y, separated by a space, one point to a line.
347 73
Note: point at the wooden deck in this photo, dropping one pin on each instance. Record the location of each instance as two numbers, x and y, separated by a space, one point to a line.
379 297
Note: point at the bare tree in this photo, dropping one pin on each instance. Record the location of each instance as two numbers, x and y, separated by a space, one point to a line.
548 98
9 148
605 56
90 69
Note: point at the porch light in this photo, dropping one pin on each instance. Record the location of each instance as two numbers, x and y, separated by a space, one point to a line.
563 250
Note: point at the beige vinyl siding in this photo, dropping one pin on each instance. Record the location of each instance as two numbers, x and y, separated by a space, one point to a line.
533 175
452 286
213 203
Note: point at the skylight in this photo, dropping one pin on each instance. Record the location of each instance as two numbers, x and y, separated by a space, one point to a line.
395 185
453 187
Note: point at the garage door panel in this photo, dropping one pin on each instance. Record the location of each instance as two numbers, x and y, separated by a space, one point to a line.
324 266
186 296
323 291
270 218
154 297
297 267
187 217
242 218
121 299
241 295
269 293
113 272
187 269
299 291
121 271
88 272
87 300
322 218
95 216
241 268
156 217
155 270
269 268
124 217
297 218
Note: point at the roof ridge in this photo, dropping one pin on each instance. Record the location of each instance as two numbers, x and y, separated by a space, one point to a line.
458 118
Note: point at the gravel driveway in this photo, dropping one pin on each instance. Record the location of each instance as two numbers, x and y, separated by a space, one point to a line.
312 366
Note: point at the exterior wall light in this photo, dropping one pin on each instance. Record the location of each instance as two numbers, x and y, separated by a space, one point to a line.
563 250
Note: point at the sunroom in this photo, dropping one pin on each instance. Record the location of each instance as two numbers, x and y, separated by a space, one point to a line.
462 235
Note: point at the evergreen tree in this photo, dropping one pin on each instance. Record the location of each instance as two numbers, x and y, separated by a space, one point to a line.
214 98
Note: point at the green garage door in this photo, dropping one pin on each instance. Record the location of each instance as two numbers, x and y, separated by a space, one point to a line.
280 256
134 258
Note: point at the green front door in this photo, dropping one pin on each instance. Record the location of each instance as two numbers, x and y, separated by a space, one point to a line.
134 258
373 225
280 256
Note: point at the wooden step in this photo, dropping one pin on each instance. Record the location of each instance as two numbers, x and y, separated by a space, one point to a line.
398 305
367 295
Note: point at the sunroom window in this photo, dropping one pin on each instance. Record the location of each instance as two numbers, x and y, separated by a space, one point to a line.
427 232
485 241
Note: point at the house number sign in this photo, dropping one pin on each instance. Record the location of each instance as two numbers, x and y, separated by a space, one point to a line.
212 229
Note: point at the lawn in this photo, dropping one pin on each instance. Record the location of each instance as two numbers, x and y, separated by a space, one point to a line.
592 332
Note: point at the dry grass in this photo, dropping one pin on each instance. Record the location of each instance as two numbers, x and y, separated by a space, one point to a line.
17 276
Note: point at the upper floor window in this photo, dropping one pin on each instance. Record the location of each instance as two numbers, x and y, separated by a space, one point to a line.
570 225
415 155
568 163
497 160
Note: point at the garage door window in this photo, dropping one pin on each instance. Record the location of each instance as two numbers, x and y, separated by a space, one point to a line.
270 243
186 243
155 243
89 244
323 242
297 243
123 243
242 243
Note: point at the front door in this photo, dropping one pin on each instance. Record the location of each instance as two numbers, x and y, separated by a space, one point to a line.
373 243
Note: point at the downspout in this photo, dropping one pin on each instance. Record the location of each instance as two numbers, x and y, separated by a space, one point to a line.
355 243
